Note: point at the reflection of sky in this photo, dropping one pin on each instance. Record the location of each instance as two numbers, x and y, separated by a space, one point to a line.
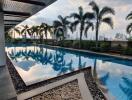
117 71
32 68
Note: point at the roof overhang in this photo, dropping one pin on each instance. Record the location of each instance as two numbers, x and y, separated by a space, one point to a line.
16 11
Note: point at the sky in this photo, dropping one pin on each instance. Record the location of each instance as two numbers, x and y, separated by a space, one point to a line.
66 7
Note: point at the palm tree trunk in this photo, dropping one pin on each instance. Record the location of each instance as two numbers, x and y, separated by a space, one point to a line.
97 31
80 41
46 37
14 37
34 37
42 39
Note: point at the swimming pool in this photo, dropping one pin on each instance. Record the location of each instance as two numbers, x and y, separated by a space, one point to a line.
38 63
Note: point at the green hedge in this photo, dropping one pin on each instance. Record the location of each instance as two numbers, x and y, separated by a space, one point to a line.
128 51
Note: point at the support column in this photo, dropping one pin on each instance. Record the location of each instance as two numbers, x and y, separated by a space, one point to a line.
2 40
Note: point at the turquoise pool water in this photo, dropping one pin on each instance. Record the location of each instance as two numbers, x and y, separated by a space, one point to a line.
38 63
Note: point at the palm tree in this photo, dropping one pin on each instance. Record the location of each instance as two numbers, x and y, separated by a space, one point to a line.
13 31
82 19
61 26
129 27
47 29
40 32
32 31
25 30
100 17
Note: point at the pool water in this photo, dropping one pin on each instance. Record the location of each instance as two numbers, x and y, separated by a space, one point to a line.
39 63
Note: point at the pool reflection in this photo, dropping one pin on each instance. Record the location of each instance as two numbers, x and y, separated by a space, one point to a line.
37 63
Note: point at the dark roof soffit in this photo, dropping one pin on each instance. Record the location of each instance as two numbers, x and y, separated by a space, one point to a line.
13 13
31 2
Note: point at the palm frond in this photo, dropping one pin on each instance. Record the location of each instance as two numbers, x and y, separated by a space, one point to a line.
57 23
108 20
23 31
89 25
60 17
106 10
66 22
95 7
17 29
88 15
59 32
76 16
129 16
129 28
74 25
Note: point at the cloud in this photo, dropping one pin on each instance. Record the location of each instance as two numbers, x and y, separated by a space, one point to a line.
66 7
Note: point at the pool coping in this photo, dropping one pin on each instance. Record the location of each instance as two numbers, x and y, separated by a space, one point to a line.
21 87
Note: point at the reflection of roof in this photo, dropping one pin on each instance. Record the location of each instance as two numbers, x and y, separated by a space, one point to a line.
15 11
26 65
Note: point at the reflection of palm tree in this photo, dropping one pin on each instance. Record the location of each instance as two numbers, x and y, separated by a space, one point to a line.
95 70
57 60
60 65
66 68
13 55
21 53
127 88
26 53
102 80
80 64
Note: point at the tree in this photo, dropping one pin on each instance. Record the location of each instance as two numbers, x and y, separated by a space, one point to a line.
41 29
61 26
82 19
25 30
129 27
47 29
100 16
33 31
13 32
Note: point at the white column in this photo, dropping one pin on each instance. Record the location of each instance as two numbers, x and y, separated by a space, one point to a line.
2 41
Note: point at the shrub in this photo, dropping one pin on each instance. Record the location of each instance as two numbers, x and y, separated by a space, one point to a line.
67 43
88 44
75 44
104 46
128 51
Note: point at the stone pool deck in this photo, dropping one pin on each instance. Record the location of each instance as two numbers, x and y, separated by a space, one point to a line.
78 85
68 91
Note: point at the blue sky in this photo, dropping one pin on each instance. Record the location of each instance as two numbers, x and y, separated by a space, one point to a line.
66 7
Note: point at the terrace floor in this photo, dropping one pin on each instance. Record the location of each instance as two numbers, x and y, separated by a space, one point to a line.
7 90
